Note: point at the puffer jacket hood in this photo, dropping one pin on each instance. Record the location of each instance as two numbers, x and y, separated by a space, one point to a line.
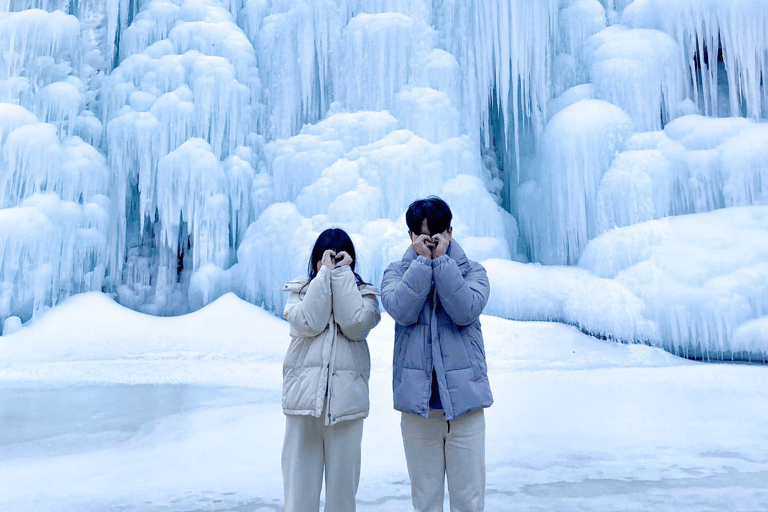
436 305
330 319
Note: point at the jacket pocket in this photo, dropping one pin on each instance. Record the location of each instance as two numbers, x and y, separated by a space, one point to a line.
402 335
474 338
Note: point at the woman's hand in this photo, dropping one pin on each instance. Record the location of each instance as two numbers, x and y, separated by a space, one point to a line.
328 260
343 258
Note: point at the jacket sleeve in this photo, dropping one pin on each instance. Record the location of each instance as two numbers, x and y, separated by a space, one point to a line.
354 312
403 293
310 316
462 297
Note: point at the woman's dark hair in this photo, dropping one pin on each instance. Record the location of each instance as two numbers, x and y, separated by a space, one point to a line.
337 240
435 210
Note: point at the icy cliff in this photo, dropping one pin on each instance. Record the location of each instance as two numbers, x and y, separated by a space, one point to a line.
171 151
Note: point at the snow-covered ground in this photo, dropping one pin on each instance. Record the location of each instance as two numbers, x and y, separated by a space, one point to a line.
106 409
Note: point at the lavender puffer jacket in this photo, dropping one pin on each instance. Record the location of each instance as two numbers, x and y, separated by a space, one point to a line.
436 305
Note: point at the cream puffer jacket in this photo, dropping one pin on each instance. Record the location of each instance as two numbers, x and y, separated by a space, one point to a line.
330 319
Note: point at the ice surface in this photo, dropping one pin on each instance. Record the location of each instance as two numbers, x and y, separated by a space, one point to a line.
190 407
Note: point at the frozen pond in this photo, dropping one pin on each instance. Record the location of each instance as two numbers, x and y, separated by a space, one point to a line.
146 414
179 447
34 417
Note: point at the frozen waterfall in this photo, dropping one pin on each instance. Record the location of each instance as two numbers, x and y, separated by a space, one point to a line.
607 160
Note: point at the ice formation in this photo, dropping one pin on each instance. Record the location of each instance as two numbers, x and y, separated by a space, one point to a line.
700 277
692 284
171 151
558 212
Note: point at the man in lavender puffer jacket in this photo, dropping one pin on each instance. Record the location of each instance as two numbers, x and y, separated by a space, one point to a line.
440 381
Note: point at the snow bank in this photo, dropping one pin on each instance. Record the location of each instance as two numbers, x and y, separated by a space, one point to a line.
571 295
91 338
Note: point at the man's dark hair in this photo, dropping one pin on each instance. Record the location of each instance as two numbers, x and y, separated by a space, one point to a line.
435 210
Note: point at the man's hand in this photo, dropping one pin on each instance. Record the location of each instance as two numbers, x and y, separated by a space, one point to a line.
343 258
424 245
441 245
328 260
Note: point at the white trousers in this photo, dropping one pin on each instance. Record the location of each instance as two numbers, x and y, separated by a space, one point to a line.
434 449
311 448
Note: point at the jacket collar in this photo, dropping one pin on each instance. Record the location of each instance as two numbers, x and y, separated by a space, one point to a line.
297 284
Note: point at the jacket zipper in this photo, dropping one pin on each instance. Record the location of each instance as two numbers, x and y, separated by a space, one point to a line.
330 364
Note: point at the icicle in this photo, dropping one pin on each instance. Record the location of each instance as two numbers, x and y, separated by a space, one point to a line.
744 161
639 70
420 108
191 186
579 20
577 148
298 47
710 30
50 249
240 178
637 187
383 50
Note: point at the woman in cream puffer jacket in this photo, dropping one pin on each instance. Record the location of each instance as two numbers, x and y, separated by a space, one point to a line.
325 377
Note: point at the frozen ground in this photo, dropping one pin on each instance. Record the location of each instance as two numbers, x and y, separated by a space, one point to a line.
106 409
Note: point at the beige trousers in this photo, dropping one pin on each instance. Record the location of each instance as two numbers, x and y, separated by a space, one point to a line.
434 449
311 448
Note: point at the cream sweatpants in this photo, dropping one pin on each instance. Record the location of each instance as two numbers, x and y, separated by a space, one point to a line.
311 448
434 449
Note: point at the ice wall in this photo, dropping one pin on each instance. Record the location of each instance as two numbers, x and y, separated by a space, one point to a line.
700 276
558 211
182 103
696 164
725 45
695 285
55 213
188 148
506 50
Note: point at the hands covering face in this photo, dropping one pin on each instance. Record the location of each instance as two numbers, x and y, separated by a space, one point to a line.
332 259
432 246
